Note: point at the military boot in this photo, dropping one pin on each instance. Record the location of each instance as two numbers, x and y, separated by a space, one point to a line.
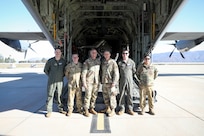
121 112
142 112
151 112
111 113
48 114
106 110
131 112
63 112
86 113
93 111
69 113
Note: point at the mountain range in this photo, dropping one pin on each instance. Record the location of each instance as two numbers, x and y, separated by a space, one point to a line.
190 56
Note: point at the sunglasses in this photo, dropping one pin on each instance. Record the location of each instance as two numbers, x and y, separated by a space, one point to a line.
94 52
147 58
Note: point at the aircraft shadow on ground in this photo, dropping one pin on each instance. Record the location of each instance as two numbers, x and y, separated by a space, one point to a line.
27 93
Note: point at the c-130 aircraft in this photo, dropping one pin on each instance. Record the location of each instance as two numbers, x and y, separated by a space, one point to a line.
78 25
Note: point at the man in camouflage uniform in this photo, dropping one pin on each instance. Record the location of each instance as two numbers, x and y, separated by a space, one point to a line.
73 73
127 71
147 73
90 79
110 77
54 69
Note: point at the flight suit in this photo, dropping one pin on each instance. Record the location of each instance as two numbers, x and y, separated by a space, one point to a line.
127 70
73 75
55 71
90 77
146 75
110 75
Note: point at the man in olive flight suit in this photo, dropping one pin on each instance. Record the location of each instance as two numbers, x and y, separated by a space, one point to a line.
54 69
147 73
110 77
73 74
127 71
90 79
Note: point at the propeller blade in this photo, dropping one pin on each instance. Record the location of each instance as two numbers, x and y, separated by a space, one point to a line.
182 55
34 42
29 47
25 54
172 52
32 49
172 44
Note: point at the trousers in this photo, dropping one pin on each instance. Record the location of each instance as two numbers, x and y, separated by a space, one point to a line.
72 92
146 91
109 98
50 95
91 93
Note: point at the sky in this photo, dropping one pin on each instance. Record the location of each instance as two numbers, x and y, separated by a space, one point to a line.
190 18
16 18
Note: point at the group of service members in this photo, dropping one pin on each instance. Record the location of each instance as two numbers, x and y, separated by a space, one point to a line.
88 75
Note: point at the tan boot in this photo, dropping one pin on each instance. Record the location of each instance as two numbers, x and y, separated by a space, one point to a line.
121 112
69 113
106 110
151 112
131 112
48 114
86 113
142 112
63 112
93 111
111 113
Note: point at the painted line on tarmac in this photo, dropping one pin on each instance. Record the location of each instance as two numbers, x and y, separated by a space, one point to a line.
182 108
100 124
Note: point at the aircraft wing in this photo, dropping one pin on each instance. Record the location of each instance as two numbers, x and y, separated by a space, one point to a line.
182 35
23 35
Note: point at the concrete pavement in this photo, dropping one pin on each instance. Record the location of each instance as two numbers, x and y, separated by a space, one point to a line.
179 110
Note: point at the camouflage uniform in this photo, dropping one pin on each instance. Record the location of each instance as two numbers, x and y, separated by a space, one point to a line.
127 71
146 75
90 77
73 74
110 75
55 71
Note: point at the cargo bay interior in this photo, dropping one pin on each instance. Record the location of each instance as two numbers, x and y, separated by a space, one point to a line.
78 25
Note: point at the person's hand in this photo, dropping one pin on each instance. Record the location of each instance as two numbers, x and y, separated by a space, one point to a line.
114 93
112 85
113 90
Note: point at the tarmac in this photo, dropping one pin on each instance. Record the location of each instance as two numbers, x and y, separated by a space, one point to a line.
179 108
